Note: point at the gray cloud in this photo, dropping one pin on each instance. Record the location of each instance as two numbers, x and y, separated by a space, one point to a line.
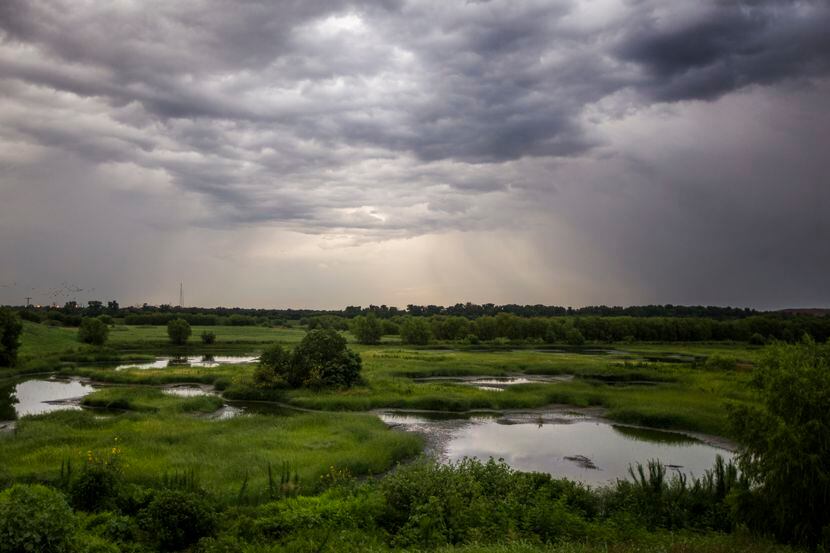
355 123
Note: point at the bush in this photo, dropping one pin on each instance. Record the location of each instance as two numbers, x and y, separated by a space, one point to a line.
367 329
720 363
179 331
93 331
176 519
10 329
208 337
320 359
573 337
97 486
784 450
415 330
35 518
757 340
106 319
275 368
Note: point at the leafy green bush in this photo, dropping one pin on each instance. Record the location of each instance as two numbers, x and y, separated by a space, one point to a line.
275 368
785 451
176 519
573 337
368 329
93 331
35 518
757 339
178 330
719 362
208 337
320 359
415 330
97 487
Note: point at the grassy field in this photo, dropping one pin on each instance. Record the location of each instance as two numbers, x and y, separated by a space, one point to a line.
160 435
157 437
636 383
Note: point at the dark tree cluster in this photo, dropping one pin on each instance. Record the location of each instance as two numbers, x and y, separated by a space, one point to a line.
10 329
321 359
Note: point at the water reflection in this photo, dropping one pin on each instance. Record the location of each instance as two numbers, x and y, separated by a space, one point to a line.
33 397
190 361
575 447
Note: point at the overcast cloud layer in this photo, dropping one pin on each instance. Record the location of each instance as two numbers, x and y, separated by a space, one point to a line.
319 154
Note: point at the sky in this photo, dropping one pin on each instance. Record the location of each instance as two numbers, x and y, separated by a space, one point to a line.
321 154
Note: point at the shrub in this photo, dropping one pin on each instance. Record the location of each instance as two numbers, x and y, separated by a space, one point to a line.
176 519
784 450
415 330
320 359
573 337
720 363
10 329
97 486
275 368
179 331
757 340
208 337
367 329
35 518
93 331
106 319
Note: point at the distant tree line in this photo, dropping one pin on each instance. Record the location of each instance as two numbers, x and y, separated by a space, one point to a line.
479 322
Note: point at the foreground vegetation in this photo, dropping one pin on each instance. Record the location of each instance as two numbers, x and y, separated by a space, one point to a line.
144 470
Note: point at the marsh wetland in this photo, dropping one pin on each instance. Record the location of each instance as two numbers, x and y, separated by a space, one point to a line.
594 416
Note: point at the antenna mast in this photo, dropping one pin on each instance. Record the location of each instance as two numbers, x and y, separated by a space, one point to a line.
181 294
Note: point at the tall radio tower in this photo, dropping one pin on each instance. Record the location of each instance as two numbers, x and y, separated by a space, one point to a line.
181 294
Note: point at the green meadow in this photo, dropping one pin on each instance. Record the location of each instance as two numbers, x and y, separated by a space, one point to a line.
333 452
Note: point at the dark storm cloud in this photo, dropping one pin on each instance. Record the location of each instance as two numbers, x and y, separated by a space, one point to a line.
729 45
379 120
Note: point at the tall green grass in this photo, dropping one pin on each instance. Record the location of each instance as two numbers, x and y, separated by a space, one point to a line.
224 454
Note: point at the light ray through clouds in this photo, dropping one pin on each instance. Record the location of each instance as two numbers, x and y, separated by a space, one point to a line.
318 154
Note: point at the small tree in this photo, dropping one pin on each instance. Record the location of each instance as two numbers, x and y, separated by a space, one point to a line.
415 330
320 359
208 337
93 331
274 369
367 329
179 331
10 329
785 451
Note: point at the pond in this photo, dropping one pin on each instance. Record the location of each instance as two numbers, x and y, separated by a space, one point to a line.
33 397
497 383
191 361
580 448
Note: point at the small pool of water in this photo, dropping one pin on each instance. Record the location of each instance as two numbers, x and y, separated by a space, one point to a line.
498 383
36 396
564 445
187 391
191 361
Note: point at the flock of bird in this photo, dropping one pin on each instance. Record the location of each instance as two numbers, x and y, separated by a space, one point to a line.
65 291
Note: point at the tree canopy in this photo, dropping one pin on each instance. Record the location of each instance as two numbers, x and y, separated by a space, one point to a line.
179 331
320 359
785 450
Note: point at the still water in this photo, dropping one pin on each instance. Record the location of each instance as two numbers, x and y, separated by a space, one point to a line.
33 397
191 361
579 448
